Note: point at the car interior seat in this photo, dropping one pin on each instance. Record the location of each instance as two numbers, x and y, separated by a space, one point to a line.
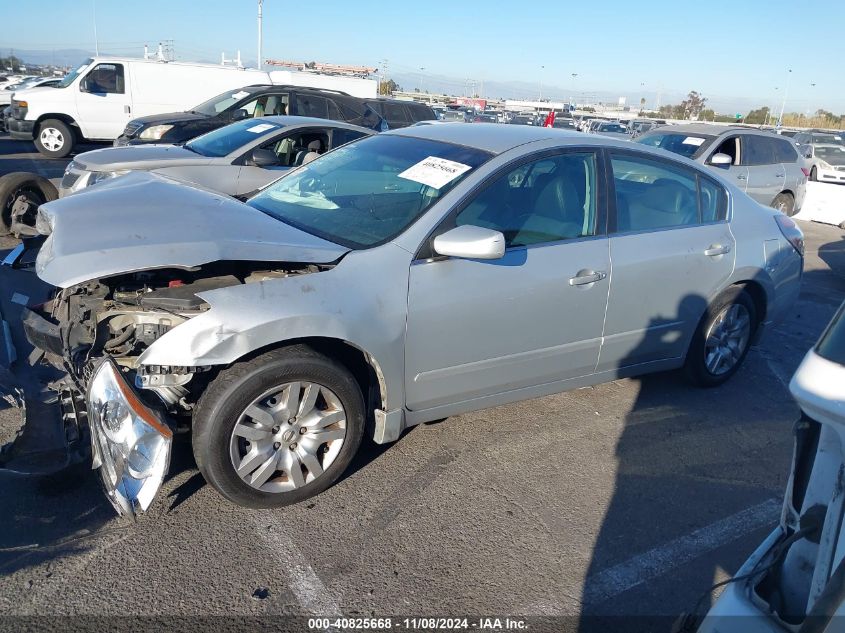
314 149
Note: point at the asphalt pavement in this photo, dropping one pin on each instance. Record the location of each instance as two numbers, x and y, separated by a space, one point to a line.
612 508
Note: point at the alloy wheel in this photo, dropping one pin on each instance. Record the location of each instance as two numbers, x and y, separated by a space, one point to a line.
726 339
52 139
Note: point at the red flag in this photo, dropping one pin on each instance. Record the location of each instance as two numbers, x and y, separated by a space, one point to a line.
550 119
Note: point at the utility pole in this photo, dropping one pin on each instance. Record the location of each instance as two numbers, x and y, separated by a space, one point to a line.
96 39
785 97
260 53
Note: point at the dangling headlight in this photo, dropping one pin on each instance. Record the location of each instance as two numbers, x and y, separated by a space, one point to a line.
130 443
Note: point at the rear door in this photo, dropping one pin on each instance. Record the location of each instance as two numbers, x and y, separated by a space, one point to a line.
671 250
103 102
765 173
787 154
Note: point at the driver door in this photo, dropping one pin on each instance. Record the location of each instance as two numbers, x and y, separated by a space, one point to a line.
103 101
479 328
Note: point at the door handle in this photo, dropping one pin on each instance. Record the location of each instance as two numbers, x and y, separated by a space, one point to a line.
717 249
779 175
741 177
584 277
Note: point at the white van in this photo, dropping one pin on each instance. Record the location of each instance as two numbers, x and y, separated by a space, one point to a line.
95 101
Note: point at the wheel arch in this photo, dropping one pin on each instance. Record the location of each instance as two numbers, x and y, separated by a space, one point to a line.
64 118
758 295
363 366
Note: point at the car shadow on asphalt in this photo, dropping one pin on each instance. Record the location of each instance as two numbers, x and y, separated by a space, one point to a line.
696 457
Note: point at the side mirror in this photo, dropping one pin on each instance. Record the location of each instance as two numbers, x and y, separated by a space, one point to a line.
264 157
240 114
721 160
470 242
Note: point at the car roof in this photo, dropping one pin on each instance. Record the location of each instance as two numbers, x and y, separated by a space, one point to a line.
496 139
715 130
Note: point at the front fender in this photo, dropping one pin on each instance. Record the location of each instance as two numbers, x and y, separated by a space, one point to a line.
362 301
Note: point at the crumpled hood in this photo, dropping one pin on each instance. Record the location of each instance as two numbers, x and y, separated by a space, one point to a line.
144 221
139 157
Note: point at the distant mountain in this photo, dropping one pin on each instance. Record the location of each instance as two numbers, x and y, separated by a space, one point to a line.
59 57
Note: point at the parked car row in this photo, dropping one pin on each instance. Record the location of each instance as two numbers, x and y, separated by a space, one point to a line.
146 101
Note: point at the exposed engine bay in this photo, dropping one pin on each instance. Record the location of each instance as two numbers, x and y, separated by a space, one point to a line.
122 316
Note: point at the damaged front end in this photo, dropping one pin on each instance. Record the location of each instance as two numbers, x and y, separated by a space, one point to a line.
95 333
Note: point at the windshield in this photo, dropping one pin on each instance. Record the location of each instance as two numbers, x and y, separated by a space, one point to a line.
832 155
832 343
225 140
216 105
369 191
684 144
826 138
612 127
71 76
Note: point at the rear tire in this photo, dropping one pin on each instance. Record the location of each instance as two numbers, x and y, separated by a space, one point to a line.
722 339
785 203
23 187
55 139
235 423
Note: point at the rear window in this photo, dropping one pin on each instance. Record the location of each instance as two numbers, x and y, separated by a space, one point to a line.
757 150
832 343
785 152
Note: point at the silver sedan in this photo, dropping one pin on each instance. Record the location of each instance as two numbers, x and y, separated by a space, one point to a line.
402 278
236 159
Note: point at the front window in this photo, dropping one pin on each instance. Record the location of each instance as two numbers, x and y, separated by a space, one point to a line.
225 140
218 104
612 127
104 79
687 145
368 192
832 343
548 200
72 75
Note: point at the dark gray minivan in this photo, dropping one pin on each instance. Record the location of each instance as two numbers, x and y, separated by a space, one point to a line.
764 165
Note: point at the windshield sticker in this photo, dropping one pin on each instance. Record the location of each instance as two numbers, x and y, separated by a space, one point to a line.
261 127
240 95
434 172
693 140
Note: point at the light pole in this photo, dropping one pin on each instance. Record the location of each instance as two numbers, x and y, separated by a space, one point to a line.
574 100
419 89
785 97
260 42
540 85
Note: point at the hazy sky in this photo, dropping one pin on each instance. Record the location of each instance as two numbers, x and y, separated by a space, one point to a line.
726 50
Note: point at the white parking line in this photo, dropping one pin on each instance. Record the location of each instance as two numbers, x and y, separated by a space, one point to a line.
303 581
614 580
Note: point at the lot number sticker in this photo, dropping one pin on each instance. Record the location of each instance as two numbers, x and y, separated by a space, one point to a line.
240 95
434 172
261 127
693 140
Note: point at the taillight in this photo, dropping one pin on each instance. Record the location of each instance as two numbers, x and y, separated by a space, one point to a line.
806 172
791 232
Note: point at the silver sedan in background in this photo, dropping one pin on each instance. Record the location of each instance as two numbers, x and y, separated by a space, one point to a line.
403 278
236 159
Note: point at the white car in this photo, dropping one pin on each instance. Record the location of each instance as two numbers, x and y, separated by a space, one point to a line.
827 162
795 580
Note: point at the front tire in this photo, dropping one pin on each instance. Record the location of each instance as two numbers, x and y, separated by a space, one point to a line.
279 428
23 188
55 139
814 174
722 339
